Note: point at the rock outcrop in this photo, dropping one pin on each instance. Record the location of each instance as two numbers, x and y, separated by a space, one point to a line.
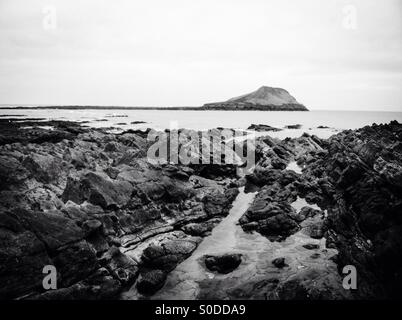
358 180
89 203
223 264
354 177
262 128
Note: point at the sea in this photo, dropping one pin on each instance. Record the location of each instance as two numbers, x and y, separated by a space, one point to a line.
321 123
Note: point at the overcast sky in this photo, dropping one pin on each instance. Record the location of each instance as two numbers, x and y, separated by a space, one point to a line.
188 52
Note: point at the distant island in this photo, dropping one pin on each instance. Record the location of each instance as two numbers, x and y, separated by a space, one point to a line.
264 99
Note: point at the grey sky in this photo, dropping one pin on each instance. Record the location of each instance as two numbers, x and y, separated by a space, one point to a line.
191 52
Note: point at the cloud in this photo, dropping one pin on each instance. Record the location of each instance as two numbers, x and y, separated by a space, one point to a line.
191 52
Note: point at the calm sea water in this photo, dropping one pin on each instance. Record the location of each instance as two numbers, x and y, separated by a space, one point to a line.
199 120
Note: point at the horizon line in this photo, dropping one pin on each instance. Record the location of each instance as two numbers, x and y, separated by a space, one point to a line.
16 106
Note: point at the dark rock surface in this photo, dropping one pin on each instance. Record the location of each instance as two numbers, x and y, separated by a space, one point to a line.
223 264
151 281
87 201
359 180
355 176
271 213
279 262
293 126
262 128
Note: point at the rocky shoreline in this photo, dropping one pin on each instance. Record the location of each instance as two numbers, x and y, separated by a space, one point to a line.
88 202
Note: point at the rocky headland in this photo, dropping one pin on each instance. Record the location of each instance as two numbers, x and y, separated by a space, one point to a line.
88 202
264 99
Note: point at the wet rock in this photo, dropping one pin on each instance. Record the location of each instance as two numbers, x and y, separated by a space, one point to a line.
12 131
114 195
308 212
223 264
262 128
311 246
316 230
75 262
112 172
202 228
293 126
112 146
315 256
217 204
91 226
312 284
111 196
120 265
360 171
277 228
279 262
272 219
101 285
390 171
151 281
170 251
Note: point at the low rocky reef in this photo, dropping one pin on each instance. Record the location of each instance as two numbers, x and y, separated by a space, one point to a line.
89 203
246 106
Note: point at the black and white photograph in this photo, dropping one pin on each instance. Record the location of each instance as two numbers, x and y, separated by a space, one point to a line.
224 151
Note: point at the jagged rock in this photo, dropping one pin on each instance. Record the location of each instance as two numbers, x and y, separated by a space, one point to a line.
53 230
98 286
98 189
11 172
109 192
75 262
120 265
390 171
116 197
151 281
312 284
45 168
22 257
77 158
91 226
272 219
360 171
173 249
309 212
